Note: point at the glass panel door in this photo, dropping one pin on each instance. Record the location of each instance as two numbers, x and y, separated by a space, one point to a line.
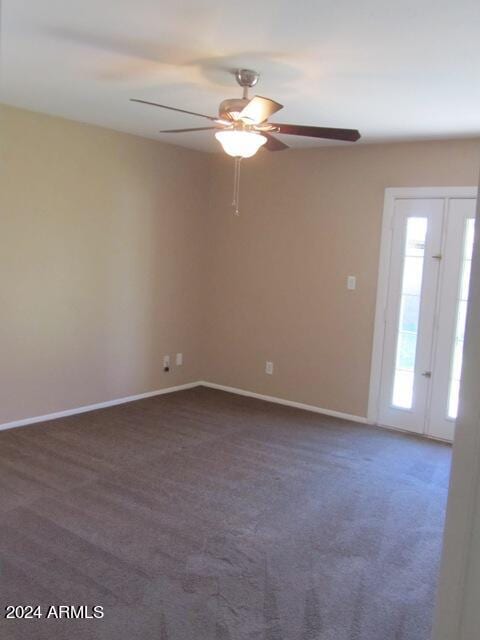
409 318
460 322
452 312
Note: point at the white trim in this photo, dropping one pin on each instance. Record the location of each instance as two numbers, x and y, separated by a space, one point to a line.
288 403
92 407
392 194
190 385
381 304
406 432
431 192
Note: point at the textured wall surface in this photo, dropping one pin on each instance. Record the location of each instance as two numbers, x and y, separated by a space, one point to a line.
100 255
115 250
276 281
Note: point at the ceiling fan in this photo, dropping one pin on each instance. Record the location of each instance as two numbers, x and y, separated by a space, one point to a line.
242 125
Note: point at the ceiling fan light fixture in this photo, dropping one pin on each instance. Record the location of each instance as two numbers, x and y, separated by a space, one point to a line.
244 126
240 144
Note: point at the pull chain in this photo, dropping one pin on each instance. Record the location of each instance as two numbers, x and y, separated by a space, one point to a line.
236 187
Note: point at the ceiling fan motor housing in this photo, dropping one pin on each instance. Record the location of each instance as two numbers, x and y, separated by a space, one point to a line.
230 109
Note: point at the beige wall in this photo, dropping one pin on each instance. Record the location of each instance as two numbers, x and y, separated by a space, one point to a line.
276 276
114 251
100 263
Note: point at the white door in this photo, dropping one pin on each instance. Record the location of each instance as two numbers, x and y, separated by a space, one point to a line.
452 311
430 244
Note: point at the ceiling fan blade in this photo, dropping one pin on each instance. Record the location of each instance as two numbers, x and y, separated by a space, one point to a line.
185 130
350 135
259 109
164 106
274 144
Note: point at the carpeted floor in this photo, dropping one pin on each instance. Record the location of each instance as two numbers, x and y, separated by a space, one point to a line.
203 515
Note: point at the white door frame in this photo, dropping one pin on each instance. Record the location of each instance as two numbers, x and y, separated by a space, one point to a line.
392 194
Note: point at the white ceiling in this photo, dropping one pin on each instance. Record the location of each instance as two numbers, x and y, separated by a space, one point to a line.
405 69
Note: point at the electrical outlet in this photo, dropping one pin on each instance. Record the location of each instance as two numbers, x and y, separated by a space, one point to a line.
166 363
269 367
179 359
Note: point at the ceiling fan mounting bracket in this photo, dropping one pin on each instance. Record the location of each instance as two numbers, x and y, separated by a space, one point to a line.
247 77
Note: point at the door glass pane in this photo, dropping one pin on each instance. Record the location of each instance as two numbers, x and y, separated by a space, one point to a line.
462 299
416 232
403 389
409 312
465 280
453 398
407 342
407 334
412 275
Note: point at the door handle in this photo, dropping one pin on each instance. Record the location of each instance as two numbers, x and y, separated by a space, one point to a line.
427 374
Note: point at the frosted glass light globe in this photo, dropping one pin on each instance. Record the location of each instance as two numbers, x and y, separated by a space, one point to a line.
240 144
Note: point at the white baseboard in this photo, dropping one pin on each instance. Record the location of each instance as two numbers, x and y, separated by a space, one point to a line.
190 385
93 407
288 403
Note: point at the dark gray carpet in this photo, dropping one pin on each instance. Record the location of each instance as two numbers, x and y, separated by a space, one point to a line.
203 515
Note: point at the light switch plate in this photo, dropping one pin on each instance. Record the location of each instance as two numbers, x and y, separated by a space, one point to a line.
351 283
